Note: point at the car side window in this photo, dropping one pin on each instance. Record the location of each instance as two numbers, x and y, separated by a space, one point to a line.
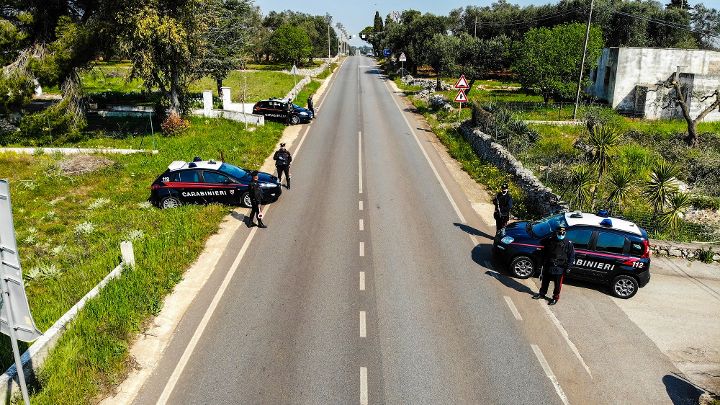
580 237
610 242
636 247
189 176
217 178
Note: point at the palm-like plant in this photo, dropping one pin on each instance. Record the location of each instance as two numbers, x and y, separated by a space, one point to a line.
662 184
677 204
581 183
621 186
603 139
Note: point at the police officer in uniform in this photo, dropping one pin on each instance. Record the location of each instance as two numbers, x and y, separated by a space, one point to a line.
255 200
503 204
283 158
558 256
310 105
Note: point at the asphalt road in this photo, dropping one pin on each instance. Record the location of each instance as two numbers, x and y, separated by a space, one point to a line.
373 284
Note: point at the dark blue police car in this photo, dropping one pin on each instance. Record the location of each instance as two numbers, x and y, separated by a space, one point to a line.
608 250
283 111
205 182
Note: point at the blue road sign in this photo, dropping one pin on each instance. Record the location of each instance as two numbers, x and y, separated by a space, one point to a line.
386 52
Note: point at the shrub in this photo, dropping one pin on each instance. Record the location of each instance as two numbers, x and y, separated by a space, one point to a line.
705 202
174 124
705 256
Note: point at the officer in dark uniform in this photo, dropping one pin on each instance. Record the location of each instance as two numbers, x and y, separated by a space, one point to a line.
503 204
255 200
558 255
310 105
283 158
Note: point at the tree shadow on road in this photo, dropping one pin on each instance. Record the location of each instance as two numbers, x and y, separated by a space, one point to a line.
680 390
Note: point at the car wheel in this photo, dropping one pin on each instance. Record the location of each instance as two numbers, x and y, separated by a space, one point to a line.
245 200
294 120
170 202
624 286
522 267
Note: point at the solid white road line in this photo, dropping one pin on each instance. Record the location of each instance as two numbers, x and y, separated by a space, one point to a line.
362 281
362 249
549 374
363 386
565 335
432 166
360 176
360 205
513 308
361 225
363 326
170 386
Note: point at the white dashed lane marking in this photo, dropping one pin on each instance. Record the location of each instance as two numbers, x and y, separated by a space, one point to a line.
363 386
361 225
360 205
362 249
513 309
549 374
362 281
363 325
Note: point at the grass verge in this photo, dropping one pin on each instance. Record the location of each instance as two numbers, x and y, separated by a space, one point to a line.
69 230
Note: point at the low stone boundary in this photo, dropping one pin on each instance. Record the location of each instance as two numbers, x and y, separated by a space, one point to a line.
540 196
231 115
74 151
689 251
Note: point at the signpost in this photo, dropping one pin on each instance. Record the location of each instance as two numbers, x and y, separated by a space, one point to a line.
461 86
402 63
15 317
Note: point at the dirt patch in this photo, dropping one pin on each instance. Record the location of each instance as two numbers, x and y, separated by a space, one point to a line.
80 164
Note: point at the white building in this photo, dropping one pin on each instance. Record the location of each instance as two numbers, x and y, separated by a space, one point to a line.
628 79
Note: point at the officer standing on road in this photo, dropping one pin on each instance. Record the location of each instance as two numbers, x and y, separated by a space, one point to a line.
283 158
255 200
503 204
310 105
558 255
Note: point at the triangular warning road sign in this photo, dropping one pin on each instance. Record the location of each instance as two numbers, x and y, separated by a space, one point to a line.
462 83
461 97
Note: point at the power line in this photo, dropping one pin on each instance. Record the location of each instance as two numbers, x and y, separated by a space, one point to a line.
532 20
672 25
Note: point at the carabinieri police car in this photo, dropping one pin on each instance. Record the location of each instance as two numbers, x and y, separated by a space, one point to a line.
205 182
608 250
283 111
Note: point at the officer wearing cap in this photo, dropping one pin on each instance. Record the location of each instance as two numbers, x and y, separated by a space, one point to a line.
503 204
255 200
558 255
283 158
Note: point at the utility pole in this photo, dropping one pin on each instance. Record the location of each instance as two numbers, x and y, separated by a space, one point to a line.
582 64
328 32
475 32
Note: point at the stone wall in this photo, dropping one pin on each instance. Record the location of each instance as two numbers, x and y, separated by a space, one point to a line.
690 251
540 197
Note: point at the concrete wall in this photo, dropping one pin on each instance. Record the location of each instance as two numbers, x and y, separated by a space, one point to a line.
696 87
603 77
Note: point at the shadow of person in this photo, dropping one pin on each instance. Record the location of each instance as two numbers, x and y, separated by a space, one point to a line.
239 216
473 231
680 390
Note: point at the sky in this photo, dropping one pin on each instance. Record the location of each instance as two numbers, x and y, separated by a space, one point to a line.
356 15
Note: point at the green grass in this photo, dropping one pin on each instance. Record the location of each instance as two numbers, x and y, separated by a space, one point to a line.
260 85
49 209
283 66
308 90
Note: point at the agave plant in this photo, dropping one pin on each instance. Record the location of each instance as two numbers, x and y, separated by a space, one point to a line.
677 204
663 183
621 186
581 183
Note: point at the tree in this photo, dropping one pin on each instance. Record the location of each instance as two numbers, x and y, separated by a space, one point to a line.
377 23
290 44
165 40
549 59
680 96
477 56
671 217
662 184
621 186
603 140
229 40
441 54
706 24
581 182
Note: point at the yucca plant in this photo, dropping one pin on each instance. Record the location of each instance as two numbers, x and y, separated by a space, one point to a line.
663 183
621 186
603 139
581 184
677 204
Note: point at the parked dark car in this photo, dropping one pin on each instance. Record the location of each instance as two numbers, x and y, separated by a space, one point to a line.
205 182
280 110
608 250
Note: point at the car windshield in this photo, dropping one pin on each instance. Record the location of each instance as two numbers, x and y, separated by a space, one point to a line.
234 171
547 225
296 106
